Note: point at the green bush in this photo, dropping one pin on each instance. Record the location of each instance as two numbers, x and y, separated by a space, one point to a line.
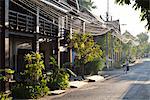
58 77
23 91
34 84
60 81
20 91
4 96
94 66
9 72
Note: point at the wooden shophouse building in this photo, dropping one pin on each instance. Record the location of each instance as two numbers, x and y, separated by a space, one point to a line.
35 25
41 26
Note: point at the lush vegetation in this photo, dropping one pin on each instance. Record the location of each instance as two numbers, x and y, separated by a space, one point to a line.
58 77
113 48
92 68
4 78
33 83
144 46
136 47
86 50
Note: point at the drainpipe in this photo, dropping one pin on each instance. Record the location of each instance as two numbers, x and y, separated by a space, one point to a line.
83 27
37 30
71 32
59 35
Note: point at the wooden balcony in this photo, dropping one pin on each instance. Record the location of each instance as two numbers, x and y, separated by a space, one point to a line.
22 22
48 28
26 23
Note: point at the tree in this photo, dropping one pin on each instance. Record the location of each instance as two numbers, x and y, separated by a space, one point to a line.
88 4
144 45
130 48
86 49
33 83
143 5
143 38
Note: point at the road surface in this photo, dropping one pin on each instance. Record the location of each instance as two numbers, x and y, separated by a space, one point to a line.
135 85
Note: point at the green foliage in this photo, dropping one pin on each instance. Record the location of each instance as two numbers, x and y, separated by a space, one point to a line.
143 38
34 67
144 45
6 71
58 81
22 91
117 45
58 77
130 48
130 51
34 83
102 42
3 95
85 48
94 66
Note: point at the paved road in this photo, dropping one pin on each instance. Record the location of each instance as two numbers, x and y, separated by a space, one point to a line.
134 85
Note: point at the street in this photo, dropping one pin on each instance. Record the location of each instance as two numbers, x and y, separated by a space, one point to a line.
135 85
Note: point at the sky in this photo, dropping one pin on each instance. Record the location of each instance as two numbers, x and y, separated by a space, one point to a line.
129 18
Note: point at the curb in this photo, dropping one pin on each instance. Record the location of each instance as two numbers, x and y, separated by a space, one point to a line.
112 76
57 92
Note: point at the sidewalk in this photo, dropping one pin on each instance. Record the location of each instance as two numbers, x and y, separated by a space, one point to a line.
117 72
112 73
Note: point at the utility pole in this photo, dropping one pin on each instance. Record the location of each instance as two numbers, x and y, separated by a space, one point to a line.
107 19
107 13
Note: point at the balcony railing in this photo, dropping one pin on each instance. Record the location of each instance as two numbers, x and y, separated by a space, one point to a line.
23 22
48 28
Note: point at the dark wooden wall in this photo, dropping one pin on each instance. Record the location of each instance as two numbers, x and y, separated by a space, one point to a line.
2 35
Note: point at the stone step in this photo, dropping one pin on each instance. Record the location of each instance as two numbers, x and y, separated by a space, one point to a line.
95 78
77 84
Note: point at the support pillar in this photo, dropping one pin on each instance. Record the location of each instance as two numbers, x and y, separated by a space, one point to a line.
112 51
37 43
83 27
37 31
71 32
107 63
58 41
5 50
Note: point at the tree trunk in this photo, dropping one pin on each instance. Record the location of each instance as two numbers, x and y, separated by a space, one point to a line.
82 71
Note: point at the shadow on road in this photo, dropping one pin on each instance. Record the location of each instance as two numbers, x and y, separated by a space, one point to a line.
140 79
137 91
